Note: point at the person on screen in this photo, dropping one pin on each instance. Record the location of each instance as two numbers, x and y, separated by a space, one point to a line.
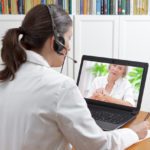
113 88
40 108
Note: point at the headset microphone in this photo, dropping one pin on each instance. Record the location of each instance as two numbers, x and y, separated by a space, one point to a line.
71 59
58 42
74 61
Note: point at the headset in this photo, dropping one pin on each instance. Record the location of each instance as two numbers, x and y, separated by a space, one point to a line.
59 41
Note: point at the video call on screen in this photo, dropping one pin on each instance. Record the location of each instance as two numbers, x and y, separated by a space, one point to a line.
111 83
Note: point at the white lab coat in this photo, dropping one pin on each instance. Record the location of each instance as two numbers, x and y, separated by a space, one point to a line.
42 109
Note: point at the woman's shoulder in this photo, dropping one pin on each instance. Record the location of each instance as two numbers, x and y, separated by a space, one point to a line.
53 76
125 82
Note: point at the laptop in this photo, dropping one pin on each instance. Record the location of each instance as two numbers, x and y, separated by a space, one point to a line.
112 88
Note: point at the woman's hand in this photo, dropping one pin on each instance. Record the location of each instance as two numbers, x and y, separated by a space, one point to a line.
141 129
99 94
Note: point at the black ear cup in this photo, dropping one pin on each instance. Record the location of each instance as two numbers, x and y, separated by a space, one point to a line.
59 43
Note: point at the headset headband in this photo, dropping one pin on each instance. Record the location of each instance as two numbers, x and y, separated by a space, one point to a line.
50 9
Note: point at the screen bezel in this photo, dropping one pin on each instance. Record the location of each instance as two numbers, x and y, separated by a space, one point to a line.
120 62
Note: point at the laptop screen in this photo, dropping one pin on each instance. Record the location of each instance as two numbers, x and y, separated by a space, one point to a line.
111 80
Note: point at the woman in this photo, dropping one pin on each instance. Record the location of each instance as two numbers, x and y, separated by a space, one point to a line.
113 88
40 109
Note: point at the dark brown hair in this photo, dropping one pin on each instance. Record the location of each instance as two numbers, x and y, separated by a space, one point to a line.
36 28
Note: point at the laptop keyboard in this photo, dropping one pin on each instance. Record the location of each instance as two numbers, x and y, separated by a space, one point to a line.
111 117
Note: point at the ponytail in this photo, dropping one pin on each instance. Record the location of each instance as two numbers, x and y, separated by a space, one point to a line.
13 55
36 29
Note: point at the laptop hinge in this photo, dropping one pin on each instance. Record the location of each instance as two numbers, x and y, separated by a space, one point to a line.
134 112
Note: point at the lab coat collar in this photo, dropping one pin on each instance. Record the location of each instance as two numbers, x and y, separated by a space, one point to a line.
36 58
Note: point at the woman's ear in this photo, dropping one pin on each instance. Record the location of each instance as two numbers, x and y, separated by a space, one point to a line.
51 40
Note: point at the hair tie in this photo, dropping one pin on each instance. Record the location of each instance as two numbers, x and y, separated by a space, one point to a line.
21 30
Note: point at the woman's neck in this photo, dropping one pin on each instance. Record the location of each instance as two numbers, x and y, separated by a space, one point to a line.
110 84
111 80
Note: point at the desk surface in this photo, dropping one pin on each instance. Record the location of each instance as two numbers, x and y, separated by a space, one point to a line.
145 144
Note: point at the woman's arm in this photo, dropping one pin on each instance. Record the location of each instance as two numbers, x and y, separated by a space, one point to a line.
98 94
79 128
101 95
116 101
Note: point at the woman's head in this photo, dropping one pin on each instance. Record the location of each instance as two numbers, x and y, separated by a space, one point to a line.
116 71
37 35
38 25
